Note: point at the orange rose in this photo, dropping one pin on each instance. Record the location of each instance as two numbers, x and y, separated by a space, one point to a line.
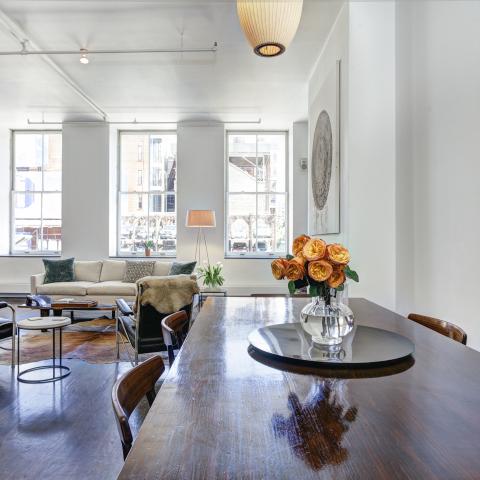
279 268
338 254
319 270
336 279
299 243
295 269
314 249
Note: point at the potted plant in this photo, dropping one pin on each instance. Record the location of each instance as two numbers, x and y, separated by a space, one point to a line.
149 246
212 275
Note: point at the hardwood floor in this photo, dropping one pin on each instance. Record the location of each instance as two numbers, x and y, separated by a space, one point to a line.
64 430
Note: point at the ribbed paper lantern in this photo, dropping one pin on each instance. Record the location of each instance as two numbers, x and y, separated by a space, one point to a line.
269 25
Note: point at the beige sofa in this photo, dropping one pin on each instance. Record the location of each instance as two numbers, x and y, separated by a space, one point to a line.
95 280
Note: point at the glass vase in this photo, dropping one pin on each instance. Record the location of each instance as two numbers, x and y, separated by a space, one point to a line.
327 320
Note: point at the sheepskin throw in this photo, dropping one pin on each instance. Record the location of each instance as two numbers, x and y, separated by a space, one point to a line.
167 294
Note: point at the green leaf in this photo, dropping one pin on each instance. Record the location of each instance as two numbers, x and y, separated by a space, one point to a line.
351 274
289 257
340 288
291 287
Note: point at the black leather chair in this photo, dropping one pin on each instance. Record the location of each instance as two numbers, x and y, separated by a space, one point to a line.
143 330
7 328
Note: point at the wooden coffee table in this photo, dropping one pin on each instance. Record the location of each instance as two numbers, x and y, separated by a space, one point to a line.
58 309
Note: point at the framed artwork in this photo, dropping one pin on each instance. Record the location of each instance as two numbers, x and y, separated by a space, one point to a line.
324 150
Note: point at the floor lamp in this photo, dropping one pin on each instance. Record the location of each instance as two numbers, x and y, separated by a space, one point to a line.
201 219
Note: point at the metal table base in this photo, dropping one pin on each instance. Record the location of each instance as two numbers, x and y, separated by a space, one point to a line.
54 366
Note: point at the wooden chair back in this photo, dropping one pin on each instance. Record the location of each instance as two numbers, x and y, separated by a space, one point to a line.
174 329
127 392
441 326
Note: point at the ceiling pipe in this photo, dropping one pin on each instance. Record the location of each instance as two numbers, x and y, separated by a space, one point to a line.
21 36
85 51
136 122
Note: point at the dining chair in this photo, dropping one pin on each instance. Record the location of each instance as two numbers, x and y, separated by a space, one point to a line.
441 326
7 329
174 329
127 392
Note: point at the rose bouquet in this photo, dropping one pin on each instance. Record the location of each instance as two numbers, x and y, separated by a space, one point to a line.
321 267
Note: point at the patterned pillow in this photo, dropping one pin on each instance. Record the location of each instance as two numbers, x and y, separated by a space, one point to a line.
59 270
136 270
179 268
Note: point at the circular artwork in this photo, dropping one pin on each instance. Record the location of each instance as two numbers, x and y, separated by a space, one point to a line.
322 152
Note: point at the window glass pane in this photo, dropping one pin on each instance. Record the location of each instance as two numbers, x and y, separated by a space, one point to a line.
26 235
148 164
133 222
256 221
27 205
271 163
37 166
271 226
242 163
28 161
241 222
52 206
52 162
134 154
51 235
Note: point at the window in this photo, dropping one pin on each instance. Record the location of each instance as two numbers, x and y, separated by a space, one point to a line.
147 197
36 200
256 197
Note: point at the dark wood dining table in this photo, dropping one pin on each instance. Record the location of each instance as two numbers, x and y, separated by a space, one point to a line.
226 412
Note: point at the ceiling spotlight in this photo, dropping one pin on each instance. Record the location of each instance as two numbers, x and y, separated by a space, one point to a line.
83 56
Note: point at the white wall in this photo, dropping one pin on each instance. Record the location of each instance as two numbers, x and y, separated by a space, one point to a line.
363 38
298 179
443 109
89 196
85 191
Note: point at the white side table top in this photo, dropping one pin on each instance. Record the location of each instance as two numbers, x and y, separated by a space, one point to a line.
42 323
213 290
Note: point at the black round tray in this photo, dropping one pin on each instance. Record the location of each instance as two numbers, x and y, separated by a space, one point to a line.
362 347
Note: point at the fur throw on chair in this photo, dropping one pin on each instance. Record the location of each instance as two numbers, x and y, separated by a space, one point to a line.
167 294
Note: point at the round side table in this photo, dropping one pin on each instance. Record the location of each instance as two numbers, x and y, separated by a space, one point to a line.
44 323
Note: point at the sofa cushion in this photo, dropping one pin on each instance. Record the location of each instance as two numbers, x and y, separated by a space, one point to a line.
87 271
113 270
182 268
64 288
138 269
161 269
113 287
58 270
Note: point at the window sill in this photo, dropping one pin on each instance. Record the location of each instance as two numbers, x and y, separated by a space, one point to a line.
31 255
253 257
156 257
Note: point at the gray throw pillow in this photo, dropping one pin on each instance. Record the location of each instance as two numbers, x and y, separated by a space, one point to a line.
59 270
136 270
179 268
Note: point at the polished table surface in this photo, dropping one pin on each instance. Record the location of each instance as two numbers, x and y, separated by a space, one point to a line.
226 412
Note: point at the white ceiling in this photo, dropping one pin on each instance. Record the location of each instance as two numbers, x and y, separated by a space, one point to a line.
231 84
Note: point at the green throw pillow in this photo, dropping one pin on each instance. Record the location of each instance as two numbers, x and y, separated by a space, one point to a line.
179 268
59 270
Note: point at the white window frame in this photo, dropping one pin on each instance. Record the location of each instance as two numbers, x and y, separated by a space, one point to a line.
148 193
29 253
227 192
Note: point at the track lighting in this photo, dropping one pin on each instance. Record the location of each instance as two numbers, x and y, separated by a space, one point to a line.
83 56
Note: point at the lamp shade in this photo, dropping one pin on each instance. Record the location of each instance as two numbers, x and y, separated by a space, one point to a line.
201 218
269 25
